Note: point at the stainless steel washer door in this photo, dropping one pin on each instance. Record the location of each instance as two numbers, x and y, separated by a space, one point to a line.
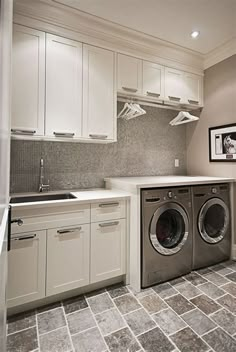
213 220
169 229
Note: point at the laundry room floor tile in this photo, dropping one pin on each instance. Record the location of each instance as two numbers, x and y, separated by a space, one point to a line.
194 313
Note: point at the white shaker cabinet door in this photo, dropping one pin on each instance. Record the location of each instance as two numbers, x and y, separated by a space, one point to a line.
174 85
67 258
129 72
26 268
63 87
153 80
107 249
99 95
193 89
28 81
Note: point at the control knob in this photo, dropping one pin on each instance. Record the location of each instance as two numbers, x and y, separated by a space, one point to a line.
214 190
170 194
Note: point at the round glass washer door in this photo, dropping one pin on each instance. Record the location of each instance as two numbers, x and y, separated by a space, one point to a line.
213 220
169 229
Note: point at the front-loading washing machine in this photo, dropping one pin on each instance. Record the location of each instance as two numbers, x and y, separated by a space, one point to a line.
166 239
211 224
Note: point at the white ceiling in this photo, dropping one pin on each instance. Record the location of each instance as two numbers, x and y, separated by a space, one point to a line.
170 20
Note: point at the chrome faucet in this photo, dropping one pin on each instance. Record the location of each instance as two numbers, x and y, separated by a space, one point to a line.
42 187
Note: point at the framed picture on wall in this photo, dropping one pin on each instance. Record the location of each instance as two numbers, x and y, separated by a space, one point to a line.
222 143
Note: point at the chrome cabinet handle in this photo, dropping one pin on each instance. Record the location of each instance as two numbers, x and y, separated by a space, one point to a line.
193 101
23 238
62 232
106 205
18 131
171 97
107 224
64 134
98 136
19 222
153 94
134 90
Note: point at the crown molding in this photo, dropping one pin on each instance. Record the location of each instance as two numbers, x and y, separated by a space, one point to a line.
221 53
54 17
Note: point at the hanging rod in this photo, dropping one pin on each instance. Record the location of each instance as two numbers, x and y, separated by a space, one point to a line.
159 104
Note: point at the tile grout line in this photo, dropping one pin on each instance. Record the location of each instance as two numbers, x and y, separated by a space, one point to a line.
68 330
37 330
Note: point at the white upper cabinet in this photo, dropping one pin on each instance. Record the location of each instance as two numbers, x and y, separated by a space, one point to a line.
174 85
99 94
193 89
63 87
28 81
129 74
153 80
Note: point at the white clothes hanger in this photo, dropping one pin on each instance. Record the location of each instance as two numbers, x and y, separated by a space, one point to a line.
131 110
183 117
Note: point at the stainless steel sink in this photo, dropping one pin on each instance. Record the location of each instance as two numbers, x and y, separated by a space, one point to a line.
41 198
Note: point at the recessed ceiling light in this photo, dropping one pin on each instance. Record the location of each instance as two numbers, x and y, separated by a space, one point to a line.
195 34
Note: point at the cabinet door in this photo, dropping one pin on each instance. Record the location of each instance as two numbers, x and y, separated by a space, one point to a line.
63 87
129 74
28 81
107 250
174 85
153 80
99 95
67 258
193 89
26 268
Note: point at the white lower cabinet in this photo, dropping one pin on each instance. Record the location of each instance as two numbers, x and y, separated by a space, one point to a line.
26 268
68 258
107 249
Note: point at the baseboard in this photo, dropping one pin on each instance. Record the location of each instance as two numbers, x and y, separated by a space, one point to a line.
234 252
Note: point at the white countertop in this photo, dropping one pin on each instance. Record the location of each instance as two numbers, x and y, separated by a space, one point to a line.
165 181
85 196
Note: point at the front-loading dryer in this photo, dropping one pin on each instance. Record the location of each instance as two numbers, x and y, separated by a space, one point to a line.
211 224
166 240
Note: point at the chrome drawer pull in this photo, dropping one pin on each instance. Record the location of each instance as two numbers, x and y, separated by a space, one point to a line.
153 94
106 205
64 134
193 101
171 97
27 132
134 90
62 232
107 224
22 238
98 136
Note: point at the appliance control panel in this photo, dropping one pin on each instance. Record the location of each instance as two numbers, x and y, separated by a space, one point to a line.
152 196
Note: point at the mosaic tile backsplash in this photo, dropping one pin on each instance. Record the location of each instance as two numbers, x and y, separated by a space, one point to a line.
147 146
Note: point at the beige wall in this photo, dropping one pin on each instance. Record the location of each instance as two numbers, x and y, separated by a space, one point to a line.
219 109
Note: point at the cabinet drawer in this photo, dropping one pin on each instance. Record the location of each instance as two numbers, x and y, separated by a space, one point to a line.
34 219
115 209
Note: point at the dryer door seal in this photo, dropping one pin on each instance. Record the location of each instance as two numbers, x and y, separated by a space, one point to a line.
169 229
213 220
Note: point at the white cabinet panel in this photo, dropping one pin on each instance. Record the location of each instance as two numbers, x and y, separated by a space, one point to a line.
108 210
107 250
193 89
99 95
67 258
174 85
153 80
26 268
129 74
28 81
63 87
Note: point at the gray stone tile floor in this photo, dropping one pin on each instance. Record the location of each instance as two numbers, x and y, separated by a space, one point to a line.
195 313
